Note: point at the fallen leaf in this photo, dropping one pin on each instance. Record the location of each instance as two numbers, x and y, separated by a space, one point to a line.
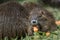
57 22
47 34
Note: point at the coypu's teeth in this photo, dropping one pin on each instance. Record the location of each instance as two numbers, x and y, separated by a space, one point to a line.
35 28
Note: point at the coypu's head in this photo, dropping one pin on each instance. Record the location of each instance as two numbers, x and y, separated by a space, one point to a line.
42 19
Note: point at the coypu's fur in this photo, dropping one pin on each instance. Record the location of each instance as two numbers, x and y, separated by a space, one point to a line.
30 5
45 19
13 20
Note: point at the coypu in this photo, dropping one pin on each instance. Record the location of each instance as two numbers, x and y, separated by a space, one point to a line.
13 20
16 20
42 17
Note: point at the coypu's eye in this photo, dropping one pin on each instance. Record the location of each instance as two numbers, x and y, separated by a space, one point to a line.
42 12
40 15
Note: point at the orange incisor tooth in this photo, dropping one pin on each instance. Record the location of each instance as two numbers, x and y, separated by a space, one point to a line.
35 29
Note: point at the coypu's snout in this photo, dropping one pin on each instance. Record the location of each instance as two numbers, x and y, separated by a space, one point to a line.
34 25
34 22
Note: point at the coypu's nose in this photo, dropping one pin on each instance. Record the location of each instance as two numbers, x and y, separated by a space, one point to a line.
33 22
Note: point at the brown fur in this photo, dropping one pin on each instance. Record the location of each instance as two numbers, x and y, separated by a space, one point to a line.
29 5
13 17
45 18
